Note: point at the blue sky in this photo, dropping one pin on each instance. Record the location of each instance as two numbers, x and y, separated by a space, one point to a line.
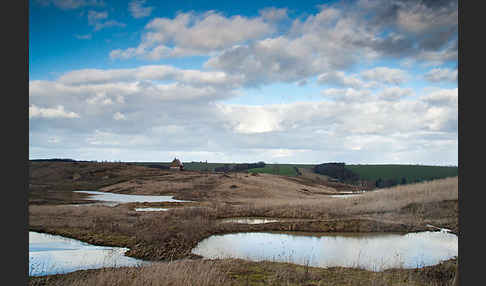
365 81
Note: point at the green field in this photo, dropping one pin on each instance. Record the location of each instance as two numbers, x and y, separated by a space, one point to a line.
412 173
276 169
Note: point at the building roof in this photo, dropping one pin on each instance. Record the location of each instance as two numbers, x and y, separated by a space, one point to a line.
176 163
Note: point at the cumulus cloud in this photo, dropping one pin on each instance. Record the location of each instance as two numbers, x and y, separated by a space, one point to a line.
386 75
395 93
442 97
367 116
138 10
119 116
195 34
340 36
167 114
274 14
441 75
348 94
340 79
151 72
58 112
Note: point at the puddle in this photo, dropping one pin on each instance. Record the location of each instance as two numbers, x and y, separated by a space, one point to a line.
347 194
150 209
344 196
113 199
54 254
248 220
370 251
109 204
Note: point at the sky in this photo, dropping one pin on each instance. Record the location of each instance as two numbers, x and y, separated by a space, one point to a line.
304 82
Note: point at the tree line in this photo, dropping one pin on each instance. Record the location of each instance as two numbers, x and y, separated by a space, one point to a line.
239 167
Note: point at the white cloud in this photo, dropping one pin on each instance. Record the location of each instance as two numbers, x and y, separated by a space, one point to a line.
354 130
94 16
99 98
347 94
137 9
338 38
386 75
340 79
72 4
107 24
364 116
442 97
195 34
153 72
58 112
441 75
395 93
273 14
255 119
97 19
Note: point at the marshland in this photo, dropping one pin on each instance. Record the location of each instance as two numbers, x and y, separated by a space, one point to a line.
206 205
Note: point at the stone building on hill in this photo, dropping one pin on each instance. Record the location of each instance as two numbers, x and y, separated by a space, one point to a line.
176 165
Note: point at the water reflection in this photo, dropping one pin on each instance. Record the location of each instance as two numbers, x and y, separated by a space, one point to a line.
248 220
344 196
53 254
123 198
374 252
150 209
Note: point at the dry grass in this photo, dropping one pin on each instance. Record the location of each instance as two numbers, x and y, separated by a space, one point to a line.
175 273
420 204
237 272
172 234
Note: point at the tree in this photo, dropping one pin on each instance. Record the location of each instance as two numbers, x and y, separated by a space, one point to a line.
379 183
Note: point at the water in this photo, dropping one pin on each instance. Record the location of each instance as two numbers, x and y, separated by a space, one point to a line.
345 196
374 252
54 254
248 220
122 198
150 209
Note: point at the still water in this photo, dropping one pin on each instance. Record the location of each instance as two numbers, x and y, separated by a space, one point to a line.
122 198
151 209
54 254
370 251
248 220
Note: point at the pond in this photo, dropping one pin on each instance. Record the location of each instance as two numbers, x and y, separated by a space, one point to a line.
111 198
54 254
371 251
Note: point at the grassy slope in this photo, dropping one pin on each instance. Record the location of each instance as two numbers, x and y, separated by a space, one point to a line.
173 234
413 173
284 170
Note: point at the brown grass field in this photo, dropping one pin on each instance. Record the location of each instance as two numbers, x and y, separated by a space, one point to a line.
168 237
